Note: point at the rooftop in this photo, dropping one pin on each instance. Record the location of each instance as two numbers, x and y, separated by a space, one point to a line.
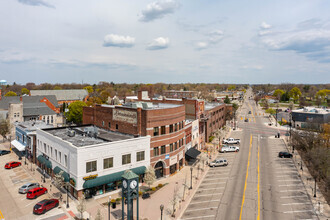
62 95
81 136
150 105
312 110
33 125
211 105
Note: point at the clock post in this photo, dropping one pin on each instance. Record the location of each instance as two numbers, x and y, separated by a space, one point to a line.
130 190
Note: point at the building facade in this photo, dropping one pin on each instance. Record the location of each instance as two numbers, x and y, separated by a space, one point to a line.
310 118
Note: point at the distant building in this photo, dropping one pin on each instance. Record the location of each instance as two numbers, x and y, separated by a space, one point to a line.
310 117
63 96
179 94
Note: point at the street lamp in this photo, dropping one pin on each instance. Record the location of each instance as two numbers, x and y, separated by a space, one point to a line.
191 169
67 192
301 167
109 207
315 188
25 155
43 172
161 211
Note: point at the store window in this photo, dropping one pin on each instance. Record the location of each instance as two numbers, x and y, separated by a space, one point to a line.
116 126
156 131
109 125
126 159
140 156
91 166
163 130
107 163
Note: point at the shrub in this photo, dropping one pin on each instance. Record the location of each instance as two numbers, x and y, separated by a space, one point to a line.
153 188
211 138
113 200
118 199
140 193
160 185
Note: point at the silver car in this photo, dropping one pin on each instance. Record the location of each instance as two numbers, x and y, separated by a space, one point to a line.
26 187
219 162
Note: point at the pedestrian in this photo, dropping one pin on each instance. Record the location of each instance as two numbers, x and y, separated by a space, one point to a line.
61 197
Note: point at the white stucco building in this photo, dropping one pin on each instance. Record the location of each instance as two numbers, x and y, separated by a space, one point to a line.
92 159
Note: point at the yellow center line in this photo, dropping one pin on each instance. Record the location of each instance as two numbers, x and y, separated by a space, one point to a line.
258 217
247 174
252 113
1 215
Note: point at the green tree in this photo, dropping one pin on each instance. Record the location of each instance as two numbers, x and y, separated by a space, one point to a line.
295 93
25 91
322 93
278 93
89 89
11 93
57 88
233 87
227 100
75 112
285 97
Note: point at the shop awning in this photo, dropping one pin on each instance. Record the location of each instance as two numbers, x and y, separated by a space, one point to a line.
18 145
64 174
45 161
99 181
192 153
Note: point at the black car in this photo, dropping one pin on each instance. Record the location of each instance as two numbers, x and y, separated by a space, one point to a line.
3 152
284 155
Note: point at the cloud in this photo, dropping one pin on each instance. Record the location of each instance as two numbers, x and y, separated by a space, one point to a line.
201 45
264 25
113 40
214 37
156 10
254 67
14 56
312 41
36 3
159 43
264 29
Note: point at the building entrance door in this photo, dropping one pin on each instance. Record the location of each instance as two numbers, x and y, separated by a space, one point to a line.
159 169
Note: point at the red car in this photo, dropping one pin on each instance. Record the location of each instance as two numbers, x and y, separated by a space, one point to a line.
45 205
34 193
12 164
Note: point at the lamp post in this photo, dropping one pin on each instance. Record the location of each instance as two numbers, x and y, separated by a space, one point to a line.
109 207
191 169
43 172
301 167
25 155
315 187
67 192
161 211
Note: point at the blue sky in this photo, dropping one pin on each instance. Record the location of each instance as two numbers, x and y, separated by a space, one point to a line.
171 41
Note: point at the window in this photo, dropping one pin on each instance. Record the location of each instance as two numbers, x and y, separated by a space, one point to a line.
109 125
156 131
55 154
180 142
47 119
176 127
140 156
102 123
107 163
163 149
65 160
51 152
45 148
17 114
51 119
126 159
171 147
60 157
48 149
91 166
180 125
176 145
171 128
163 130
156 151
117 126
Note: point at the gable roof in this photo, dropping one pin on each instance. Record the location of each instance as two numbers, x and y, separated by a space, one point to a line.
27 100
62 95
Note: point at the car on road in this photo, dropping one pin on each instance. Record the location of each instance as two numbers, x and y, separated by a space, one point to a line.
26 187
231 141
34 193
219 162
246 120
227 148
12 164
3 152
284 155
250 112
44 206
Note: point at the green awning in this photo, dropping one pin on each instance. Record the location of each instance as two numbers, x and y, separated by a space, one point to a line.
64 174
45 161
99 181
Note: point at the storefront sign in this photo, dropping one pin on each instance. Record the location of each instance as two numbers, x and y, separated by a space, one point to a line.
173 160
90 177
180 155
167 156
72 182
124 116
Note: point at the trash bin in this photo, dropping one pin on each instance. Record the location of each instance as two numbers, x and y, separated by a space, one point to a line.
113 205
278 135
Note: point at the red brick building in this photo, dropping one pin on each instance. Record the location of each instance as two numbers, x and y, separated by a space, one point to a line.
163 122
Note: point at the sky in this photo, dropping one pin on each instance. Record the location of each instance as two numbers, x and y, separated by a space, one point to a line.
170 41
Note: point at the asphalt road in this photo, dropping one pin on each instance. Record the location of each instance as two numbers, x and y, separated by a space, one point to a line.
256 184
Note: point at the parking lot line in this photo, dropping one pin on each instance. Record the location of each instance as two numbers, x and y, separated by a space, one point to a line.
194 210
290 185
216 200
210 189
299 211
213 183
205 216
292 190
289 197
210 194
30 203
298 203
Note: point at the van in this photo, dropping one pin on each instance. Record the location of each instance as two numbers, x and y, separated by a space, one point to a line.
34 193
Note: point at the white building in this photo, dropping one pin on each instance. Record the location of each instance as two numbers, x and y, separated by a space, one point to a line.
92 159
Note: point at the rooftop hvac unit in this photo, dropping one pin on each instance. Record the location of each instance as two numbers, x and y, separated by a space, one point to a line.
71 133
147 105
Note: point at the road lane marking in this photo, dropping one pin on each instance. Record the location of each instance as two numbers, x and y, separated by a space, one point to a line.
258 217
210 189
292 190
298 203
209 194
290 185
247 174
1 215
299 211
289 197
217 200
290 180
215 179
213 183
252 112
205 216
194 210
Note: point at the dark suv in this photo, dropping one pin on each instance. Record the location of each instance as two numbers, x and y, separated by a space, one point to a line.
284 155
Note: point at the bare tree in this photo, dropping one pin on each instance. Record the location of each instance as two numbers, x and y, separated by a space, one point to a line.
98 215
81 207
4 128
173 202
185 186
149 176
59 179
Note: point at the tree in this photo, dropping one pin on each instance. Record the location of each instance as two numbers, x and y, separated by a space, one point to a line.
81 207
57 88
227 100
59 179
285 97
278 93
173 202
322 94
89 89
257 99
25 91
98 215
75 112
4 127
149 176
11 93
295 93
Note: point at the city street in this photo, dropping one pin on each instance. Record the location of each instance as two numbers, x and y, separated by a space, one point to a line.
257 184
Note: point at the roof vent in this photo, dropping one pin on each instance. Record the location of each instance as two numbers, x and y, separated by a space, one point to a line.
71 133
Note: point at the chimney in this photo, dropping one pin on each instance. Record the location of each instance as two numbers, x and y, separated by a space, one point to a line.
139 121
0 94
21 99
140 95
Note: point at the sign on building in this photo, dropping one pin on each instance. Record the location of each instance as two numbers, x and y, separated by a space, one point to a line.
124 116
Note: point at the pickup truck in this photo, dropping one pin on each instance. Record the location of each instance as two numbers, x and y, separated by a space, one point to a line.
226 149
231 141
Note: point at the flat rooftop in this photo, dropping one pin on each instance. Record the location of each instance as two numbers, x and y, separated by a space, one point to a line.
33 125
82 136
150 105
209 106
312 110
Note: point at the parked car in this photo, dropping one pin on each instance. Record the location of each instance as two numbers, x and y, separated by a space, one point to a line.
231 141
12 164
26 187
219 162
226 149
3 152
34 193
246 120
284 155
250 112
44 206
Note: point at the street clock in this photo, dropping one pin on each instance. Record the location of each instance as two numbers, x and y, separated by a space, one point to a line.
130 191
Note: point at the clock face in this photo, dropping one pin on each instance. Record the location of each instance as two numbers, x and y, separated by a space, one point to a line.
124 184
133 184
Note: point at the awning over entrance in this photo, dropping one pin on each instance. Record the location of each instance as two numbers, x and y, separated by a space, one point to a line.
99 181
64 174
45 161
18 145
192 153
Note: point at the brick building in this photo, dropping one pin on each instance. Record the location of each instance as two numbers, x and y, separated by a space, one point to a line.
180 94
164 123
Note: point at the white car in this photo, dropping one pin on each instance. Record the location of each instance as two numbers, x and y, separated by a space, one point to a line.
226 149
231 141
219 162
